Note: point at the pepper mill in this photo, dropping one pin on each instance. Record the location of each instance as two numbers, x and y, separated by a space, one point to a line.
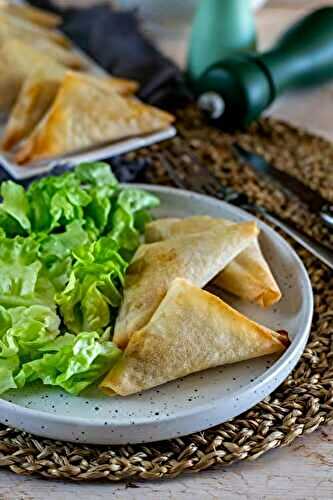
240 86
220 28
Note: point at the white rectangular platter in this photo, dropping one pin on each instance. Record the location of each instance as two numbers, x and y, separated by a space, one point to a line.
20 172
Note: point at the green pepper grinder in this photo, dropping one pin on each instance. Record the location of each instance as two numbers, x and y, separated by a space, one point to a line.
238 89
220 27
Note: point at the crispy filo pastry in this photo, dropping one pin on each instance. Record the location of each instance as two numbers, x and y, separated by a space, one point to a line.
197 257
35 97
37 16
17 61
16 48
192 330
68 58
248 276
17 27
84 115
38 93
13 74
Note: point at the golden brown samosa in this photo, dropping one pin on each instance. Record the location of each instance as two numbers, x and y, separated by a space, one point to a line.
192 330
27 59
23 29
37 16
196 257
35 97
84 115
248 276
16 48
68 58
38 93
12 75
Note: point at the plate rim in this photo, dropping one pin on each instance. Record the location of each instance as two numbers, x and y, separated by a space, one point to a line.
278 366
96 153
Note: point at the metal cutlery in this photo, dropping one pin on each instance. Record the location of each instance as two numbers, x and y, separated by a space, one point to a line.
187 173
287 183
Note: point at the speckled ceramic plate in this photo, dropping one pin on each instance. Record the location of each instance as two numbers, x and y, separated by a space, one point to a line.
195 402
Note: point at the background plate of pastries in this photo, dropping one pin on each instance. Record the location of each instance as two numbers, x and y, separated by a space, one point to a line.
57 105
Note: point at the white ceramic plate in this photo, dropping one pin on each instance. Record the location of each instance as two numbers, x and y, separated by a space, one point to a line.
20 172
196 402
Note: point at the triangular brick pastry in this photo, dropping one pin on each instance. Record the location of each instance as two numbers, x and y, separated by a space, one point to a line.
68 58
25 30
32 14
248 276
35 97
192 330
27 59
38 93
195 257
85 115
16 48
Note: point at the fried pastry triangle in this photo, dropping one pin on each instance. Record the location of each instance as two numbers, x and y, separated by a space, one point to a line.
37 94
15 47
196 257
27 59
18 27
85 115
192 330
248 276
35 97
37 16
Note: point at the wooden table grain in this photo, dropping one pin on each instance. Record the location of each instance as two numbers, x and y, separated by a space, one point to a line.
303 471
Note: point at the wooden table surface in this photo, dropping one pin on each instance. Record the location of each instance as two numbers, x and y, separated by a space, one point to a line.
301 471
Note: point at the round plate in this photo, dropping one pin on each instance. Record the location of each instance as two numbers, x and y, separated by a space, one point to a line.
198 401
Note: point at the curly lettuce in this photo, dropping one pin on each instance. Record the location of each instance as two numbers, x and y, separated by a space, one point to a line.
65 244
73 363
23 332
31 348
94 291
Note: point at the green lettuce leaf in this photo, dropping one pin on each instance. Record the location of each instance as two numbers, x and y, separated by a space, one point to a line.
74 196
61 245
23 332
94 290
67 205
23 282
65 245
55 253
96 174
99 209
56 201
135 200
75 363
123 231
7 369
129 217
55 276
39 197
14 208
19 266
102 186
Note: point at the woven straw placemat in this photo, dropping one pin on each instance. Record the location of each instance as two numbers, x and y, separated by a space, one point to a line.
299 406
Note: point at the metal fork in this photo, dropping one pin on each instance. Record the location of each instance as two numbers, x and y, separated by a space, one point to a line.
187 173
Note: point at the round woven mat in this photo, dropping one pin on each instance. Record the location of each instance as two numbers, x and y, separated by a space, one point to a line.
301 404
